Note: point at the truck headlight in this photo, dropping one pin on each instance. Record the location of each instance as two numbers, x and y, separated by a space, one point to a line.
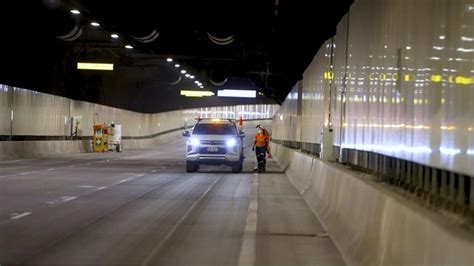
231 142
194 142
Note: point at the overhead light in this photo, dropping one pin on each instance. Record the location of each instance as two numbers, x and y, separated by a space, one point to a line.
177 65
187 75
115 36
197 82
169 59
192 77
237 93
95 66
195 93
95 24
75 12
183 71
202 87
128 46
408 47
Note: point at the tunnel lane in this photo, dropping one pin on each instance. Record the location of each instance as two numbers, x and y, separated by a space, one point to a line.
140 207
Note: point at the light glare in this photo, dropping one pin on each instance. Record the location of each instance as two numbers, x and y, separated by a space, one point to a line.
237 93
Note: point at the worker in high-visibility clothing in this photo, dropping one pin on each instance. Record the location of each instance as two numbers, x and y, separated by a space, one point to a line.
260 146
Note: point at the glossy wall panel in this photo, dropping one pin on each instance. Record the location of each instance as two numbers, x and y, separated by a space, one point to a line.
39 114
316 94
287 122
5 110
402 82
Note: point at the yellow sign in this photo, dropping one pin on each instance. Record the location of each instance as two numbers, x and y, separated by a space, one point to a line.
95 66
189 93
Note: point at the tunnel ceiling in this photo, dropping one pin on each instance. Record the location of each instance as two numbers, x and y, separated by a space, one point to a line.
245 44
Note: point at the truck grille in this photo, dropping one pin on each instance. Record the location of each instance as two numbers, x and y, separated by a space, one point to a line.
213 142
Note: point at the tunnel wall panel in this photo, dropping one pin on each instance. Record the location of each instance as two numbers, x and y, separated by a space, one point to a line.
402 85
51 119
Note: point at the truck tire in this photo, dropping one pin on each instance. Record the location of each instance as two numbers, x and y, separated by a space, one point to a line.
237 168
191 167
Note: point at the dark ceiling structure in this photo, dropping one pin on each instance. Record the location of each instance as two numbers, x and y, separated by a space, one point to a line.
262 45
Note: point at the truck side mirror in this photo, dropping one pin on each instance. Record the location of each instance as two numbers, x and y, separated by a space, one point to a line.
241 134
186 133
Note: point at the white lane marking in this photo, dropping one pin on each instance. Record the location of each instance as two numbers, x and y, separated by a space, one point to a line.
19 215
154 171
51 169
86 186
124 180
140 175
176 225
247 249
50 202
68 198
101 188
27 173
71 166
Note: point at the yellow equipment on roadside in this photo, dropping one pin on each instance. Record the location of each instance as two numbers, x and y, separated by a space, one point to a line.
99 140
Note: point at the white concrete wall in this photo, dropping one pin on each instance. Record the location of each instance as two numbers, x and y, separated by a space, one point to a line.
370 224
40 114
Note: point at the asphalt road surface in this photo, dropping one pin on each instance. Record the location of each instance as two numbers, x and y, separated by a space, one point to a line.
140 207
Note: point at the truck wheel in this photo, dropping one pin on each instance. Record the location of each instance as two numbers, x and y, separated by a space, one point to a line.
191 167
237 168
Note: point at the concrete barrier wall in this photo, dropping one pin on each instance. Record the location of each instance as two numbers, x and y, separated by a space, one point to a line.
370 224
40 121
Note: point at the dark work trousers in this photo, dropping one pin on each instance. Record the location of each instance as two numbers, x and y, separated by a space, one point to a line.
260 152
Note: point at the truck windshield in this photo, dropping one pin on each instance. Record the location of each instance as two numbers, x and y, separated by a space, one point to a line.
214 129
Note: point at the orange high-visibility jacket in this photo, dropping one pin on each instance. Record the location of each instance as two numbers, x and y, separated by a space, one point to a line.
261 140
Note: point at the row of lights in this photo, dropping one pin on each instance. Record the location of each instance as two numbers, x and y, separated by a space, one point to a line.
183 71
96 24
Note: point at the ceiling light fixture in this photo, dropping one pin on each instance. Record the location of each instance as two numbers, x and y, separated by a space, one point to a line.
177 65
115 36
192 77
75 12
187 75
169 59
95 24
183 71
128 46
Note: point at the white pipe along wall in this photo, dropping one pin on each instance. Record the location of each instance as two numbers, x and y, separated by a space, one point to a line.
37 124
391 94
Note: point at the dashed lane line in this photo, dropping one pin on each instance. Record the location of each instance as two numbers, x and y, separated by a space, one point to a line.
17 216
160 244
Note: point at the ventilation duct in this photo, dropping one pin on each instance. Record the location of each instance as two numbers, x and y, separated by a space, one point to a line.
218 84
221 41
177 81
149 38
73 35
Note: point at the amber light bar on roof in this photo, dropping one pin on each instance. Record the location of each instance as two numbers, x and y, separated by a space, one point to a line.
95 66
